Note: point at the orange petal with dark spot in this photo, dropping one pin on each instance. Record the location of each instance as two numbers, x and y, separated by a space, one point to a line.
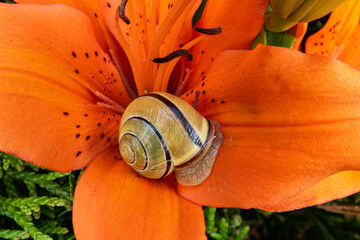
112 202
290 121
340 37
60 95
240 21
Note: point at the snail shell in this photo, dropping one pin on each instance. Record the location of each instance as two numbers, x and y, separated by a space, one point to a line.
160 133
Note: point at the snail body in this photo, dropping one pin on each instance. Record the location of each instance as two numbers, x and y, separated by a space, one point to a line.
160 133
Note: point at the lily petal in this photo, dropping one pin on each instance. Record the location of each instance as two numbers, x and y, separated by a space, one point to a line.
58 89
341 185
90 8
106 40
112 202
289 121
248 16
340 37
299 31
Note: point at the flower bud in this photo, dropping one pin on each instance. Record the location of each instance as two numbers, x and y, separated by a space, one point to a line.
284 14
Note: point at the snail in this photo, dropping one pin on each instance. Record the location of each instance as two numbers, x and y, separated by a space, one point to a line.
161 133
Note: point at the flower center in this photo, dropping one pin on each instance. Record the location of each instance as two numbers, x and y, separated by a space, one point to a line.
150 33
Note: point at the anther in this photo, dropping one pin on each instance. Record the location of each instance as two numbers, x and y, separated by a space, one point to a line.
175 54
196 99
122 12
209 31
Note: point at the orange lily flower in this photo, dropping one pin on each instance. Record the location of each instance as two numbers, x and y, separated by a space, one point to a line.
340 37
291 122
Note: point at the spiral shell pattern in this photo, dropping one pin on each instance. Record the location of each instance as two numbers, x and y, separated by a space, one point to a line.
160 132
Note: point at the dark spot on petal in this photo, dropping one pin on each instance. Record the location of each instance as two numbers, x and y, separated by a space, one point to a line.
99 124
108 140
92 76
203 78
203 92
102 135
96 53
85 115
95 15
212 100
77 71
100 71
74 54
104 59
108 4
87 138
191 91
86 55
222 102
203 84
77 126
78 153
77 135
65 113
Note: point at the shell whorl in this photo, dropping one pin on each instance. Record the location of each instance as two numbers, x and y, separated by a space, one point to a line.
160 132
143 148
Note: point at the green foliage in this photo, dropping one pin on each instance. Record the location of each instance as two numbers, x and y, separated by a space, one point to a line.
225 223
7 1
34 203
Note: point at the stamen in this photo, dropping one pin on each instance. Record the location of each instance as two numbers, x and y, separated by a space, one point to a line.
117 109
175 54
122 12
124 79
109 103
196 99
209 31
